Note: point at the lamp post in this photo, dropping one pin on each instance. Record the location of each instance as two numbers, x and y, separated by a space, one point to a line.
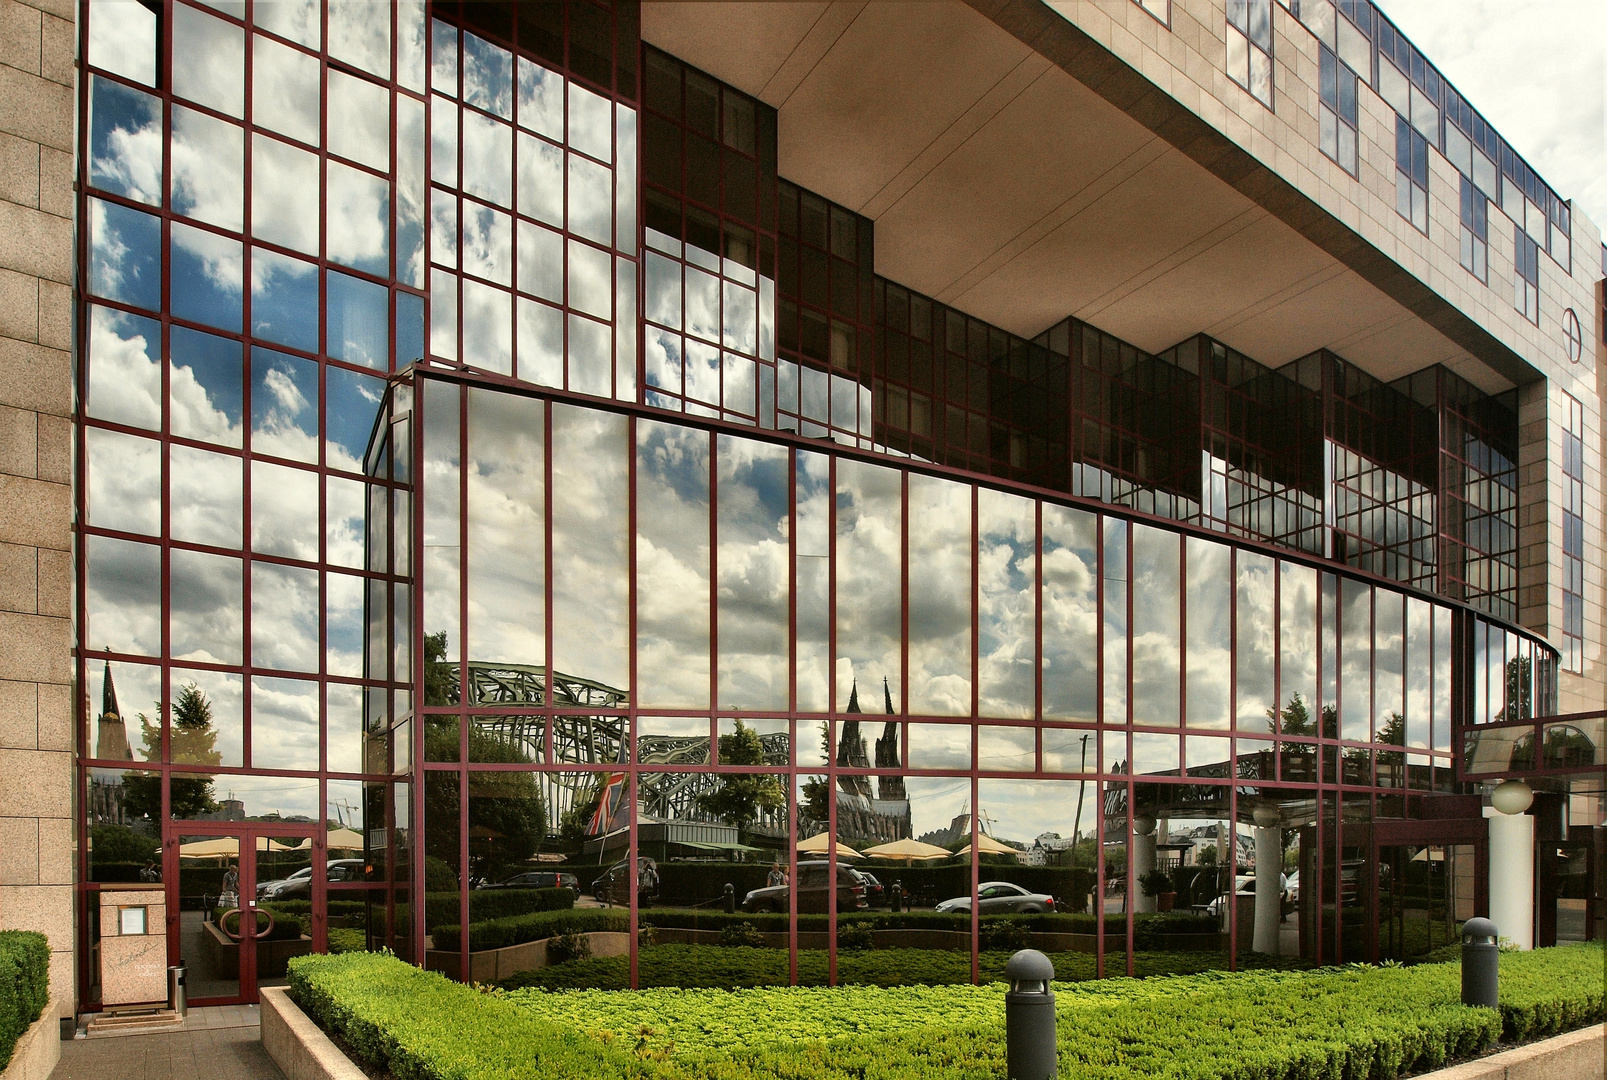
1512 862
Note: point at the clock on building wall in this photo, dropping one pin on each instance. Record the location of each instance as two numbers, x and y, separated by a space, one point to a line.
1573 336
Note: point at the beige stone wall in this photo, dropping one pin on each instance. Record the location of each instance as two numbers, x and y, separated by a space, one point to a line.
38 49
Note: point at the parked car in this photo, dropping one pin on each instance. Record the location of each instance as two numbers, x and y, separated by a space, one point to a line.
812 891
875 891
614 886
1243 884
1001 898
298 886
537 879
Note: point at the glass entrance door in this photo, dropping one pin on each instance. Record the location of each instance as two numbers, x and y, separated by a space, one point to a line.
249 898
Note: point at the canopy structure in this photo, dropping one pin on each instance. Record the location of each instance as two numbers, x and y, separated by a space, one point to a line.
344 840
907 850
223 846
988 846
820 843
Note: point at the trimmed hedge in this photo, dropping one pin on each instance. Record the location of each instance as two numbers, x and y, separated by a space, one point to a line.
1150 931
24 985
501 933
1357 1023
736 967
441 909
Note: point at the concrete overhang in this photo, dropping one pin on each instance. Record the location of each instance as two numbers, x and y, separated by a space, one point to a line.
1020 171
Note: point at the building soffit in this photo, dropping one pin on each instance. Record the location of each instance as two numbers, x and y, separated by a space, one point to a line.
1020 171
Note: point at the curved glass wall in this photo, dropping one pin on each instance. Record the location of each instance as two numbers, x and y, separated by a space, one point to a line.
757 666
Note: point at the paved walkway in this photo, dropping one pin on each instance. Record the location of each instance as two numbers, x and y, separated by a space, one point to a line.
213 1044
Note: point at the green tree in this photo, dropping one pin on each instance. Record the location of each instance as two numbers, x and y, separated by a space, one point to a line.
192 741
1295 719
440 676
738 798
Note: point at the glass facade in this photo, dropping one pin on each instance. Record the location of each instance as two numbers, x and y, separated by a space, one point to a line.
755 645
490 466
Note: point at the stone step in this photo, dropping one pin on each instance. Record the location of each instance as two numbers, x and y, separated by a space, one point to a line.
121 1023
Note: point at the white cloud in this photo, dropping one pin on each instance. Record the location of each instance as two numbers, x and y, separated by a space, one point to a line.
1537 70
205 613
284 617
125 384
208 169
358 219
284 724
672 565
590 570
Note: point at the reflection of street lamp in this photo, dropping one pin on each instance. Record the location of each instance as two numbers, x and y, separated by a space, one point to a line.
1076 828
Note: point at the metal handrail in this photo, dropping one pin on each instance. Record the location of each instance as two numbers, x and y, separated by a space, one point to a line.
258 935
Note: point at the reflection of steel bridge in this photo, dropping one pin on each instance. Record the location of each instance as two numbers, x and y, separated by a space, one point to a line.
672 796
526 684
593 739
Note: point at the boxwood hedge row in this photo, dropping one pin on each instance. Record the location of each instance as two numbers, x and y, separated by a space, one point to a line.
738 967
1357 1023
24 985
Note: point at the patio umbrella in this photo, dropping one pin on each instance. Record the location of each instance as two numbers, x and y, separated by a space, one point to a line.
210 849
818 845
230 845
989 846
344 840
907 850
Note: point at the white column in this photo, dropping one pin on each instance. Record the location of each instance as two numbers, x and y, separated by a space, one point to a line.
1143 863
1512 876
1268 895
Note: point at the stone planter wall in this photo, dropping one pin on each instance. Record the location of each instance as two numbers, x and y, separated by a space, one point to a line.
36 1053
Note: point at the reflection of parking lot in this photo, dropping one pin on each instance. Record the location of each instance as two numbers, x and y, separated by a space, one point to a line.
203 979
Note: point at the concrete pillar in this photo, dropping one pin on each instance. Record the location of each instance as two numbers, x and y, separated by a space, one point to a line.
1512 876
38 48
1268 893
1143 863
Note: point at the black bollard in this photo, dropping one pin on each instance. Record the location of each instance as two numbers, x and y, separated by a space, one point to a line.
1029 1017
730 898
1481 964
896 897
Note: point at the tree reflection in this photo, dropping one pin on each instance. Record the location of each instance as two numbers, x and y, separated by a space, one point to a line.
738 799
194 741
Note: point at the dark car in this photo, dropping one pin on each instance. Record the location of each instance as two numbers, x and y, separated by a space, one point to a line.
538 879
614 886
875 891
1001 898
298 886
812 893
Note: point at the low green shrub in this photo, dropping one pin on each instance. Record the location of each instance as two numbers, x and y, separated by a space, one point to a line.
420 1026
740 934
1357 1023
1550 990
24 985
501 933
441 909
566 948
856 935
737 966
345 940
1010 934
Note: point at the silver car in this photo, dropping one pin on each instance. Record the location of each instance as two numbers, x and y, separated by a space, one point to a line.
1001 898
